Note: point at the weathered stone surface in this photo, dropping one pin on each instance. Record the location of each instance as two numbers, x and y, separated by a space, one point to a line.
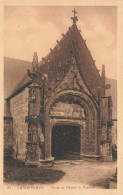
114 132
104 118
8 135
19 109
87 123
106 152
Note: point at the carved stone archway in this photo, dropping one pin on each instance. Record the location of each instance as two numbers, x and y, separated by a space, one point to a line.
89 123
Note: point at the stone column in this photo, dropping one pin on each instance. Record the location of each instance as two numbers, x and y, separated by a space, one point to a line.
48 134
33 145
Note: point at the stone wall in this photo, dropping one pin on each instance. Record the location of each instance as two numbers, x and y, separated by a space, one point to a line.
19 109
114 133
104 118
105 147
8 135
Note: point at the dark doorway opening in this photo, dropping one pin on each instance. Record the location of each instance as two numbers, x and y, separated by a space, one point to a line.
66 142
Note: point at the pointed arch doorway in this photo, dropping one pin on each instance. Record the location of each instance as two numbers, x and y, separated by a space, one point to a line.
66 141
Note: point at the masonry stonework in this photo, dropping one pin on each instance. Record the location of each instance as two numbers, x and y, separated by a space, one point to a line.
19 109
8 136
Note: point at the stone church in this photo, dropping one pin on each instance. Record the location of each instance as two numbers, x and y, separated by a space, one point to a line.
60 109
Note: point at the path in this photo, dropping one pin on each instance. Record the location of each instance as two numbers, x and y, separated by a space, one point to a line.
86 174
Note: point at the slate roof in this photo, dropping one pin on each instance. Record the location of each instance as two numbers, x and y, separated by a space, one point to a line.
14 71
57 62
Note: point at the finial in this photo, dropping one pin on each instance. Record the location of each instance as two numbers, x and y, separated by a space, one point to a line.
75 19
35 62
103 67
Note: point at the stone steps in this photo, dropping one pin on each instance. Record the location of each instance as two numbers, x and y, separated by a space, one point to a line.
68 161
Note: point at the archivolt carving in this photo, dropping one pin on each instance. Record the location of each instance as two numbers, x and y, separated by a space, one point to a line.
77 97
89 130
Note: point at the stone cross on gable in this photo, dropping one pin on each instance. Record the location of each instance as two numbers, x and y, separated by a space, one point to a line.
75 19
74 11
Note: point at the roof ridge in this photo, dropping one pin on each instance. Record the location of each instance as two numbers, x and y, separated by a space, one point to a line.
16 59
19 87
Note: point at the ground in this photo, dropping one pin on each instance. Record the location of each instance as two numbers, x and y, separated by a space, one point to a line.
67 173
86 174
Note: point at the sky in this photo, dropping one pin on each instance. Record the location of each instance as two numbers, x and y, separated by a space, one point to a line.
29 29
